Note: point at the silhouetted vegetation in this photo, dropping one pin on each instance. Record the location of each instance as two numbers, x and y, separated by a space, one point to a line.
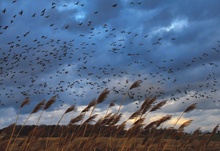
108 132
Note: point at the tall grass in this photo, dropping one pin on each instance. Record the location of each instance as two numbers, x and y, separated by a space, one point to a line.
108 131
25 102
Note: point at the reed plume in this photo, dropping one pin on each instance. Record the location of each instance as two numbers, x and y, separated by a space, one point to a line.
185 124
112 103
188 109
25 102
71 108
36 109
135 114
158 106
147 105
77 119
90 119
138 122
151 125
163 119
46 106
38 106
134 85
103 96
116 118
50 102
91 104
104 120
100 99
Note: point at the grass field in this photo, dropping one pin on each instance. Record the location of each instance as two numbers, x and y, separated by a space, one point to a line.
86 132
102 144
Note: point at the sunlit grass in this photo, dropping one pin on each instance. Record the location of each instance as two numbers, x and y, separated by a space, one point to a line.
88 131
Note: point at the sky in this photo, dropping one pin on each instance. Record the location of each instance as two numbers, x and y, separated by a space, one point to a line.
77 49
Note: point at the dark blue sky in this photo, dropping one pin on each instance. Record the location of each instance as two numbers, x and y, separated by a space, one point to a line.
76 49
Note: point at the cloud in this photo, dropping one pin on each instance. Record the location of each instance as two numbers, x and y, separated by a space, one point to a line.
76 50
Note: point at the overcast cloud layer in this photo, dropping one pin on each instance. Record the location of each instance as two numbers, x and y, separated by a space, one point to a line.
77 49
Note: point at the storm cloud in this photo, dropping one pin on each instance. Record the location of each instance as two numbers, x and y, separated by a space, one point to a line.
77 49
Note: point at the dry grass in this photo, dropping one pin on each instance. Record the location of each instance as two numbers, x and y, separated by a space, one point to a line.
108 132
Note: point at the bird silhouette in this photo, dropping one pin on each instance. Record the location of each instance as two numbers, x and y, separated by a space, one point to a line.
4 11
21 12
114 5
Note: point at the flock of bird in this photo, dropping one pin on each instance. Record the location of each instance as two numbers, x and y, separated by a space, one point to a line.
99 57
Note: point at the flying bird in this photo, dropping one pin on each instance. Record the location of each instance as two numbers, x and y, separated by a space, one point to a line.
4 11
33 15
114 5
21 12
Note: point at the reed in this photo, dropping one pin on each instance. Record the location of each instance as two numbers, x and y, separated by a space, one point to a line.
36 109
25 102
108 132
46 106
134 85
188 109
